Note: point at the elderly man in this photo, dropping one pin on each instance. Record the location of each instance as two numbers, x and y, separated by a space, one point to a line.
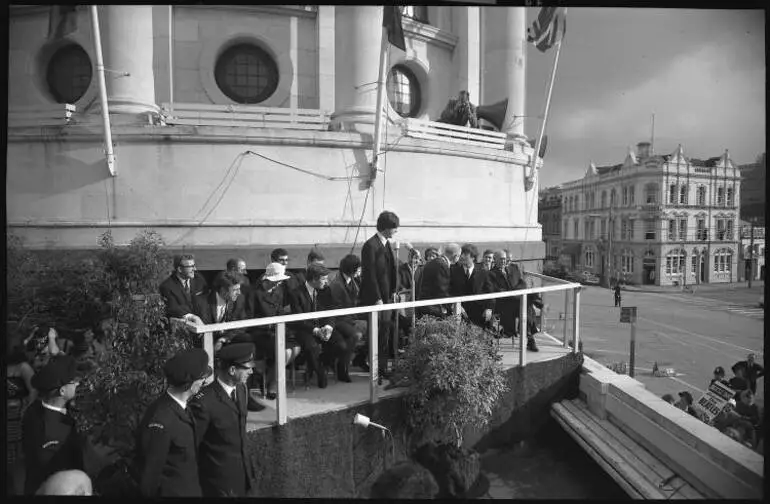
236 266
71 482
220 411
468 279
506 276
181 287
436 280
50 438
167 452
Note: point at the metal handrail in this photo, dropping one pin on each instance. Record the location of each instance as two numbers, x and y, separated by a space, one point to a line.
280 347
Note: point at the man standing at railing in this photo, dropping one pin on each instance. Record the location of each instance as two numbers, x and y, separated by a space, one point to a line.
436 279
379 280
467 279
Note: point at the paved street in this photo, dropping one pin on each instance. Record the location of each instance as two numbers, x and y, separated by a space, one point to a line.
692 333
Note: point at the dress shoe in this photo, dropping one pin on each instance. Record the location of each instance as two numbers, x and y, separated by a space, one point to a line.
271 395
253 405
322 380
531 346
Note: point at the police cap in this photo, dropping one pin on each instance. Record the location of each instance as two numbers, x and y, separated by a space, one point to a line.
240 354
187 366
59 371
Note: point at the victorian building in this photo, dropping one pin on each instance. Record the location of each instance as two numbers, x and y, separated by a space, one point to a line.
752 251
549 216
654 219
237 129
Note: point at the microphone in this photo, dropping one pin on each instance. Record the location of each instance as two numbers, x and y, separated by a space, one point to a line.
365 422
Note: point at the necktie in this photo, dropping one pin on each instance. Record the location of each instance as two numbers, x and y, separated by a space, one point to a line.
233 396
313 302
187 286
467 273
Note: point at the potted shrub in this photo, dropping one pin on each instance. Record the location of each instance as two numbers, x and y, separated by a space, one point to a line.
454 378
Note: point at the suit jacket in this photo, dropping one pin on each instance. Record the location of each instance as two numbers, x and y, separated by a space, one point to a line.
167 454
478 283
51 444
224 466
178 302
300 302
378 272
435 279
205 307
261 303
344 295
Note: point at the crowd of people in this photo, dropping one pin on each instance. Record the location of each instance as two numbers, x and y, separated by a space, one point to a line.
191 440
741 419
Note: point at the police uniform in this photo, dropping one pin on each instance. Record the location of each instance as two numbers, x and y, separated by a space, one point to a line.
220 423
167 463
50 439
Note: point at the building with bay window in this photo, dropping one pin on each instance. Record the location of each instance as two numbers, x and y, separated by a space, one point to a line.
654 219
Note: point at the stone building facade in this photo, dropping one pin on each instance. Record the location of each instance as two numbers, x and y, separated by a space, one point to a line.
654 219
549 216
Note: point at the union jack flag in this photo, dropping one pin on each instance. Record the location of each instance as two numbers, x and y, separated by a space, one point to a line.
548 28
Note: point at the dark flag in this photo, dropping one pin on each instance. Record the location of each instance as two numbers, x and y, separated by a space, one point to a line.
62 20
548 28
391 20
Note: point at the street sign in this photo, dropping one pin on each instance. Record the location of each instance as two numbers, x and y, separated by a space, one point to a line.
714 401
628 315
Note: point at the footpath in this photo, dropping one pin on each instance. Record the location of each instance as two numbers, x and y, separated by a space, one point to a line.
671 289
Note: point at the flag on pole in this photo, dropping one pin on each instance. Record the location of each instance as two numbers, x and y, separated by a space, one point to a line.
62 20
391 21
548 28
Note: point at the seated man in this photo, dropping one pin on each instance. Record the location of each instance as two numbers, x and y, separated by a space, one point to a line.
466 278
435 280
236 266
269 298
223 304
343 291
179 289
316 334
315 256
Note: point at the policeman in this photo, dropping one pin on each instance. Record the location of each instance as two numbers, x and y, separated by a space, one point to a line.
50 439
167 463
220 411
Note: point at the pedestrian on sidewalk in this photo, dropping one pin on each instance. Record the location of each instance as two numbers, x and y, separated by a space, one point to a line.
617 294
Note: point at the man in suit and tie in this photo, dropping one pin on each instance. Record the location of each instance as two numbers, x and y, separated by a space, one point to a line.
466 278
220 411
506 276
436 280
167 452
344 291
315 335
223 304
179 289
379 280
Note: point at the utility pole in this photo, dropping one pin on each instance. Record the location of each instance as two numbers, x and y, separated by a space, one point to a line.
751 252
609 248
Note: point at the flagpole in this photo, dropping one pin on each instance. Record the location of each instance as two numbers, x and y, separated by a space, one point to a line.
103 91
171 56
380 104
531 177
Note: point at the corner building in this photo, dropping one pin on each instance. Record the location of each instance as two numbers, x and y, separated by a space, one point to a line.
238 129
654 219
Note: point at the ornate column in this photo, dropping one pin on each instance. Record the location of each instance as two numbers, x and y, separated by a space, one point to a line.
357 39
515 70
127 38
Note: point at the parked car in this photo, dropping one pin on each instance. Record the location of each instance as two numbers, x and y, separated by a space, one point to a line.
588 278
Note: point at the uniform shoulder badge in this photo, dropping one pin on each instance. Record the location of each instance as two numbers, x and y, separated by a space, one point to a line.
155 425
49 444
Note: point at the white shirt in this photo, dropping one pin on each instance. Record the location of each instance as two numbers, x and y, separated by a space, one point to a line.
310 290
221 307
382 238
181 403
63 411
227 388
468 271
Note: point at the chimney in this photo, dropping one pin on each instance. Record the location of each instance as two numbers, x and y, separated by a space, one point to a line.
643 150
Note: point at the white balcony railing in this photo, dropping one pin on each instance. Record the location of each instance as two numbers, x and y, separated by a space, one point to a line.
250 116
280 322
41 115
430 130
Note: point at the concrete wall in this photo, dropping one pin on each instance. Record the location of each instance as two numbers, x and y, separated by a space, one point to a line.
711 462
325 456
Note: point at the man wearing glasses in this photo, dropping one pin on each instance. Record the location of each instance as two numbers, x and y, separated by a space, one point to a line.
181 287
49 434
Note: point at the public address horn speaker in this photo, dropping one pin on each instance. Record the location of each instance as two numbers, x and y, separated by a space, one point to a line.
495 115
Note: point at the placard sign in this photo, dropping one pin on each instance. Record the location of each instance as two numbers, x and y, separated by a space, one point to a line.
714 401
628 314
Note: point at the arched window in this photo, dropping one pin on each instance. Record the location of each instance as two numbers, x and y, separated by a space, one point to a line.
404 91
675 262
604 199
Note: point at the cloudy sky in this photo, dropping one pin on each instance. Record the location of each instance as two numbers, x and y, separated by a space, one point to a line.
701 72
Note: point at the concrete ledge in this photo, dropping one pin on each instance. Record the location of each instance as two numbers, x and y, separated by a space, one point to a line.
595 380
710 461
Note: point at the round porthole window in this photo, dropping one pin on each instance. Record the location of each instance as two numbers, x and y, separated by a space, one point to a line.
69 74
246 74
404 91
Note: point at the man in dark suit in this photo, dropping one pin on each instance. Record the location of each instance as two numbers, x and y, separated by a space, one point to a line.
236 266
344 291
466 278
50 439
220 411
379 280
506 276
167 452
316 334
436 280
179 289
223 304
